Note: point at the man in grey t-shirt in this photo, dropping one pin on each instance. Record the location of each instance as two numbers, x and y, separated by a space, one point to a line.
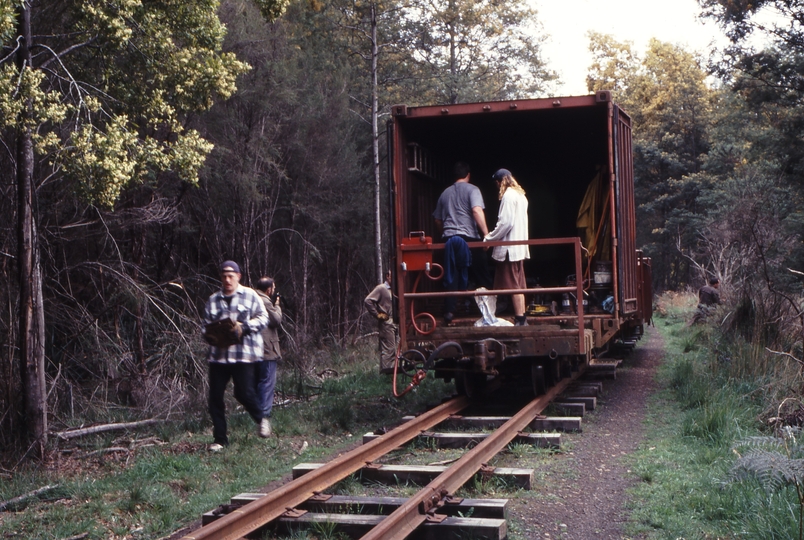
459 212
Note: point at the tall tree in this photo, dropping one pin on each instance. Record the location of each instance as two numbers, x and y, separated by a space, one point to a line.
372 33
614 64
473 50
771 79
94 94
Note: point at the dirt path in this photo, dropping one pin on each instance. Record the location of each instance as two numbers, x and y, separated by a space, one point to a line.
581 495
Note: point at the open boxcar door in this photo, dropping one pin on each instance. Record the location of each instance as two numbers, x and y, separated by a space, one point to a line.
624 214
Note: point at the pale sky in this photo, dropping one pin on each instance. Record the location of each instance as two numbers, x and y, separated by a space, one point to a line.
567 21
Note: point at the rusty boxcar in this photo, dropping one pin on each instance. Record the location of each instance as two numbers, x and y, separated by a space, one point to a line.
589 287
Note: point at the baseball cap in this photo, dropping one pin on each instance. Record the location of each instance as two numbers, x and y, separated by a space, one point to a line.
230 266
502 173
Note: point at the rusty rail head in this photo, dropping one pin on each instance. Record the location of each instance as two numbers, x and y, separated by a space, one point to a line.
265 509
404 521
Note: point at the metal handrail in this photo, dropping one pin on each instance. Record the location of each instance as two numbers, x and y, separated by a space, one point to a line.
569 241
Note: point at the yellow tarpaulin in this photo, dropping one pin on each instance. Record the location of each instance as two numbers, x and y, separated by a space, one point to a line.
589 219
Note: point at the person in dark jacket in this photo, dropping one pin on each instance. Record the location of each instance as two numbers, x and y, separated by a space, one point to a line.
266 369
709 295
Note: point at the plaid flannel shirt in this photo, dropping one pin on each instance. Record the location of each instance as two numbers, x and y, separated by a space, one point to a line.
246 308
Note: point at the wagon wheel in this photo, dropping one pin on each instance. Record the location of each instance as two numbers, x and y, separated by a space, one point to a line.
537 379
470 384
410 362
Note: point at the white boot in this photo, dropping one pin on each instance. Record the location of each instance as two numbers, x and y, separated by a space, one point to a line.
264 428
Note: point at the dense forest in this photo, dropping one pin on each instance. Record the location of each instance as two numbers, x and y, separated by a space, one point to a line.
144 142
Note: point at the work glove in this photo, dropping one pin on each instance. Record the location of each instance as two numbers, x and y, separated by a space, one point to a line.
223 333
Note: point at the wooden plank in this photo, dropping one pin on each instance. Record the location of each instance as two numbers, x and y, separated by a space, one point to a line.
337 504
585 390
556 423
357 526
477 422
589 403
553 423
466 440
605 363
549 423
607 370
574 409
421 474
610 375
594 384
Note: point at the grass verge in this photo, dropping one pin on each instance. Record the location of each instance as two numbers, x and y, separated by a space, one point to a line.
708 404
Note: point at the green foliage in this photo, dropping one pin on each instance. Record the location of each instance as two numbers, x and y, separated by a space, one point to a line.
8 20
119 121
272 9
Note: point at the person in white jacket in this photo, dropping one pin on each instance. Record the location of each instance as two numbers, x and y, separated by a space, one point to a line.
512 224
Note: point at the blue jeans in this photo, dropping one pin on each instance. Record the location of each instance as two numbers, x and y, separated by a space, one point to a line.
266 382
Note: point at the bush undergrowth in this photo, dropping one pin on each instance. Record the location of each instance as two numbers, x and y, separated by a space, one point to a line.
717 390
159 480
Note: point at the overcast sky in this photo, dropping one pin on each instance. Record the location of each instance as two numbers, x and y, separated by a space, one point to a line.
567 21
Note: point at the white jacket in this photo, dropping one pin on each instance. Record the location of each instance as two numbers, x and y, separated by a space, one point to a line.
512 224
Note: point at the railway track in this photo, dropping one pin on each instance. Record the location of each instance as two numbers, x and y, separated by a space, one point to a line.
428 513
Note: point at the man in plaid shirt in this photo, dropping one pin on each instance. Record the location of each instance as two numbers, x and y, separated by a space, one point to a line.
236 362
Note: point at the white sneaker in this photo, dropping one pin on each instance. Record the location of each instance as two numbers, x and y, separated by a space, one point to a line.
215 447
264 428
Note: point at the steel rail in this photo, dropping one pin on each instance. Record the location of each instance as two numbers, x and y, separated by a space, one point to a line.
408 517
255 514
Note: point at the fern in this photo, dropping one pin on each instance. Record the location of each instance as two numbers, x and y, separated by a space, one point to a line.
775 462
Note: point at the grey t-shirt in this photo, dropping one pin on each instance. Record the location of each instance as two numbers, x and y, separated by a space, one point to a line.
454 209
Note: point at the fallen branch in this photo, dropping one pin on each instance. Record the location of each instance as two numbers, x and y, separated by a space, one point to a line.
34 493
441 463
107 450
78 536
800 362
105 427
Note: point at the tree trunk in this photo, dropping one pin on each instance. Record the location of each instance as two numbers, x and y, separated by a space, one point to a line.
453 54
32 315
375 145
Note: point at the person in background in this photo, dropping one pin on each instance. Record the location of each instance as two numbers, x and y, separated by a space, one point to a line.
709 295
237 362
266 370
379 303
459 213
512 224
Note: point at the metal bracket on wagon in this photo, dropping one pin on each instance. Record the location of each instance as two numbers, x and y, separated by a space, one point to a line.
488 349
